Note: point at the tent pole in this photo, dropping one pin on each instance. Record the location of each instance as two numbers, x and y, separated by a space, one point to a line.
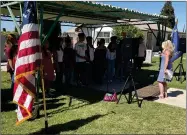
98 34
10 4
91 32
82 30
93 36
164 30
88 32
151 30
159 42
21 14
14 20
53 26
40 72
41 21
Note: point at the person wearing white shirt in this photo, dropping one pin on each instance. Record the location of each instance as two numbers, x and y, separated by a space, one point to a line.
80 49
111 57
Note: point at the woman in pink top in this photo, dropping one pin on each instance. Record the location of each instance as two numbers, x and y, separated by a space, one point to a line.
10 41
48 69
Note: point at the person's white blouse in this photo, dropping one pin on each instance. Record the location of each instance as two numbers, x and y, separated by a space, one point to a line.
80 48
60 54
91 53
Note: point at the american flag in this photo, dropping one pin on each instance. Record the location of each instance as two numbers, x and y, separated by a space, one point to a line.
28 61
175 40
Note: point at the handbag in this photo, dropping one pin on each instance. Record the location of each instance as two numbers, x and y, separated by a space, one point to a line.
169 75
110 97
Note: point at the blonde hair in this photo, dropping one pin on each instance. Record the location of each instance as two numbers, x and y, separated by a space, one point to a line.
168 45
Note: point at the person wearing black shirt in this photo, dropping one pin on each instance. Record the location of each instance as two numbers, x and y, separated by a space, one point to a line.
100 61
89 62
69 61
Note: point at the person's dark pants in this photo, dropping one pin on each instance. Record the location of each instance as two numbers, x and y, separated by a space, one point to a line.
89 73
110 70
80 72
99 71
12 87
47 85
12 79
119 70
59 74
68 75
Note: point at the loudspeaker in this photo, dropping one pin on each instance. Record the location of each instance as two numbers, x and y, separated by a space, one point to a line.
182 45
130 47
127 47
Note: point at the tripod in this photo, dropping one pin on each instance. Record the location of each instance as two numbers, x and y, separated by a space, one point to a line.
181 71
131 97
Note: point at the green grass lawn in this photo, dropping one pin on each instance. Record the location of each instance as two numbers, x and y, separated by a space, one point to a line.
88 114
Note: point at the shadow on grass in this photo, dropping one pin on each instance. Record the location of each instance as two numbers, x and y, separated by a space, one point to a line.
93 96
72 125
52 100
73 107
6 100
81 93
6 95
6 107
146 65
143 77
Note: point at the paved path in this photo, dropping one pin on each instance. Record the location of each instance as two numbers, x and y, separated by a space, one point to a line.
176 97
3 66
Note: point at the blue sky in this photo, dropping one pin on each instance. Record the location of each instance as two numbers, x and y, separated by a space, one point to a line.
149 7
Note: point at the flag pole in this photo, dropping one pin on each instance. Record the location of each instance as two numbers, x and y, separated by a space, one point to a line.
44 100
41 67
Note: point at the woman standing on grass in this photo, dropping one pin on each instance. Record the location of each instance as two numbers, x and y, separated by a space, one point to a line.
48 68
165 65
10 41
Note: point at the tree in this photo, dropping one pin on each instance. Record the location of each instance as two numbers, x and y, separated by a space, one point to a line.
168 10
131 31
4 29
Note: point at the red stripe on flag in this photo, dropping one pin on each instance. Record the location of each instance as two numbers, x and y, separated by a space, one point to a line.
24 112
28 67
29 51
29 35
22 98
27 84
